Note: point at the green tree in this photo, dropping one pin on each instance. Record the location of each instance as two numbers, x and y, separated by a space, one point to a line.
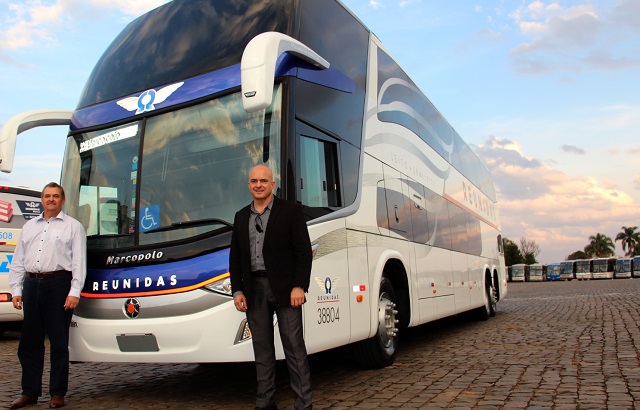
600 246
629 239
530 259
577 255
511 252
529 250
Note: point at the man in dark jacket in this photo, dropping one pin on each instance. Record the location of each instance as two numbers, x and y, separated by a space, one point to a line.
270 267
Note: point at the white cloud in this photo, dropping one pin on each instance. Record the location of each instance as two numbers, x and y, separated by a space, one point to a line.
572 149
575 38
39 22
557 210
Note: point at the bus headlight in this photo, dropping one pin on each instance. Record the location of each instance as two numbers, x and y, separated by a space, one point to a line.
220 286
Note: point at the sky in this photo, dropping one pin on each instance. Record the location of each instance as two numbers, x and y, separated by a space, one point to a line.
547 94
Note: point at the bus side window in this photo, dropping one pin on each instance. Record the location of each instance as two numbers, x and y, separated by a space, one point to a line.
318 173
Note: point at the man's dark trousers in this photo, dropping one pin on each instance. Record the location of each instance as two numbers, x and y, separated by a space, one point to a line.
43 303
260 316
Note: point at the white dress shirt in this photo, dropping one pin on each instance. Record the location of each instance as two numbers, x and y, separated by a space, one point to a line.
59 243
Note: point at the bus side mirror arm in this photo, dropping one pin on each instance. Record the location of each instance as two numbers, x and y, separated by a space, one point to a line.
258 66
23 122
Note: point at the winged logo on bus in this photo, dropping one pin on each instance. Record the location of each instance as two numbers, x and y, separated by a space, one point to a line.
327 283
145 101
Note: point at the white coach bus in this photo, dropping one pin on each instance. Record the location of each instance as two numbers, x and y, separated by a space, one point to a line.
584 269
519 272
604 268
17 206
402 215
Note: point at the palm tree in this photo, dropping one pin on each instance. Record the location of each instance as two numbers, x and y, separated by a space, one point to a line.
600 246
630 239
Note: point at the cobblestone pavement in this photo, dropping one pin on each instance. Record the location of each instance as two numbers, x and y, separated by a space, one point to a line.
560 345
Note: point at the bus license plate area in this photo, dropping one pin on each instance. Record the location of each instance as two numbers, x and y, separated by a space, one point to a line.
137 343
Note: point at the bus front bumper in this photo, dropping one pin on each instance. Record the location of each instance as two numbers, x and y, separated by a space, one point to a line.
210 336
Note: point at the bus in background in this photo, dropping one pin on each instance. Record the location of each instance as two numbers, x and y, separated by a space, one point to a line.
635 267
402 215
623 268
17 206
568 270
553 271
537 272
584 269
510 273
519 272
603 268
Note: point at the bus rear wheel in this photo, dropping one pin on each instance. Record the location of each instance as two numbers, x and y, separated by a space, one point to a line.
380 350
490 306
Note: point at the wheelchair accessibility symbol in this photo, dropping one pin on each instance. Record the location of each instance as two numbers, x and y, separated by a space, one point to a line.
149 218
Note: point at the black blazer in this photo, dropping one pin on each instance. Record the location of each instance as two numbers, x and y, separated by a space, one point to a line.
286 251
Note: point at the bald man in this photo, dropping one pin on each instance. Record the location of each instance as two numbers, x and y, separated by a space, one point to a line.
270 267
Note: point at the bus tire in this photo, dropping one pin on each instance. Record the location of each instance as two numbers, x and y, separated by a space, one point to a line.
493 299
380 350
489 307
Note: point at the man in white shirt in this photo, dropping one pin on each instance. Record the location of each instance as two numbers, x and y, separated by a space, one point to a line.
46 277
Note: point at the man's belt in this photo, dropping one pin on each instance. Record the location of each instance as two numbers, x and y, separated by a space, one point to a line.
48 275
259 273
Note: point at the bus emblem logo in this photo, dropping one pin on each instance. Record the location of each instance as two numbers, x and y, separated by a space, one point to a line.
326 284
145 101
132 308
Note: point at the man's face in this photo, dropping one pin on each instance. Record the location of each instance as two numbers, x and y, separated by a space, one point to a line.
52 200
261 182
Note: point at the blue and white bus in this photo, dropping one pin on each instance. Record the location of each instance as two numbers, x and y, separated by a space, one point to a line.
553 271
17 206
402 215
635 267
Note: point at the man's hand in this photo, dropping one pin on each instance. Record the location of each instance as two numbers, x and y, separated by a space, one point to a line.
297 297
241 303
17 302
71 302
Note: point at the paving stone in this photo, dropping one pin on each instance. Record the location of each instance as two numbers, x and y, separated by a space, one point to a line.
560 345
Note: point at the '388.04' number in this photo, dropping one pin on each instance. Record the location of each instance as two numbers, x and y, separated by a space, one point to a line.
328 315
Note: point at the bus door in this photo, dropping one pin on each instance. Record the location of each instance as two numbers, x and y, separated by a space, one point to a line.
398 204
326 313
399 219
425 290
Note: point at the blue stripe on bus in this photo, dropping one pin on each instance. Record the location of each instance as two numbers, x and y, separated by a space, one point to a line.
208 84
163 277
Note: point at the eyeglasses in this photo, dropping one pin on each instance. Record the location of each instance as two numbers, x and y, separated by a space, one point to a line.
258 224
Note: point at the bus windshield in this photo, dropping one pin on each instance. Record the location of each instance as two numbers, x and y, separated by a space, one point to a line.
171 176
623 265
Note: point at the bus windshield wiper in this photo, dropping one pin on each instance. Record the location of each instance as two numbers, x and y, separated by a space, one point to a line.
108 235
188 224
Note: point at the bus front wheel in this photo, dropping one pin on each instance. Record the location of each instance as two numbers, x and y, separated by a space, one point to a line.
380 350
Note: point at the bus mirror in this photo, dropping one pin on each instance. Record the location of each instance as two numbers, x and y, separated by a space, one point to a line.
23 122
258 66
